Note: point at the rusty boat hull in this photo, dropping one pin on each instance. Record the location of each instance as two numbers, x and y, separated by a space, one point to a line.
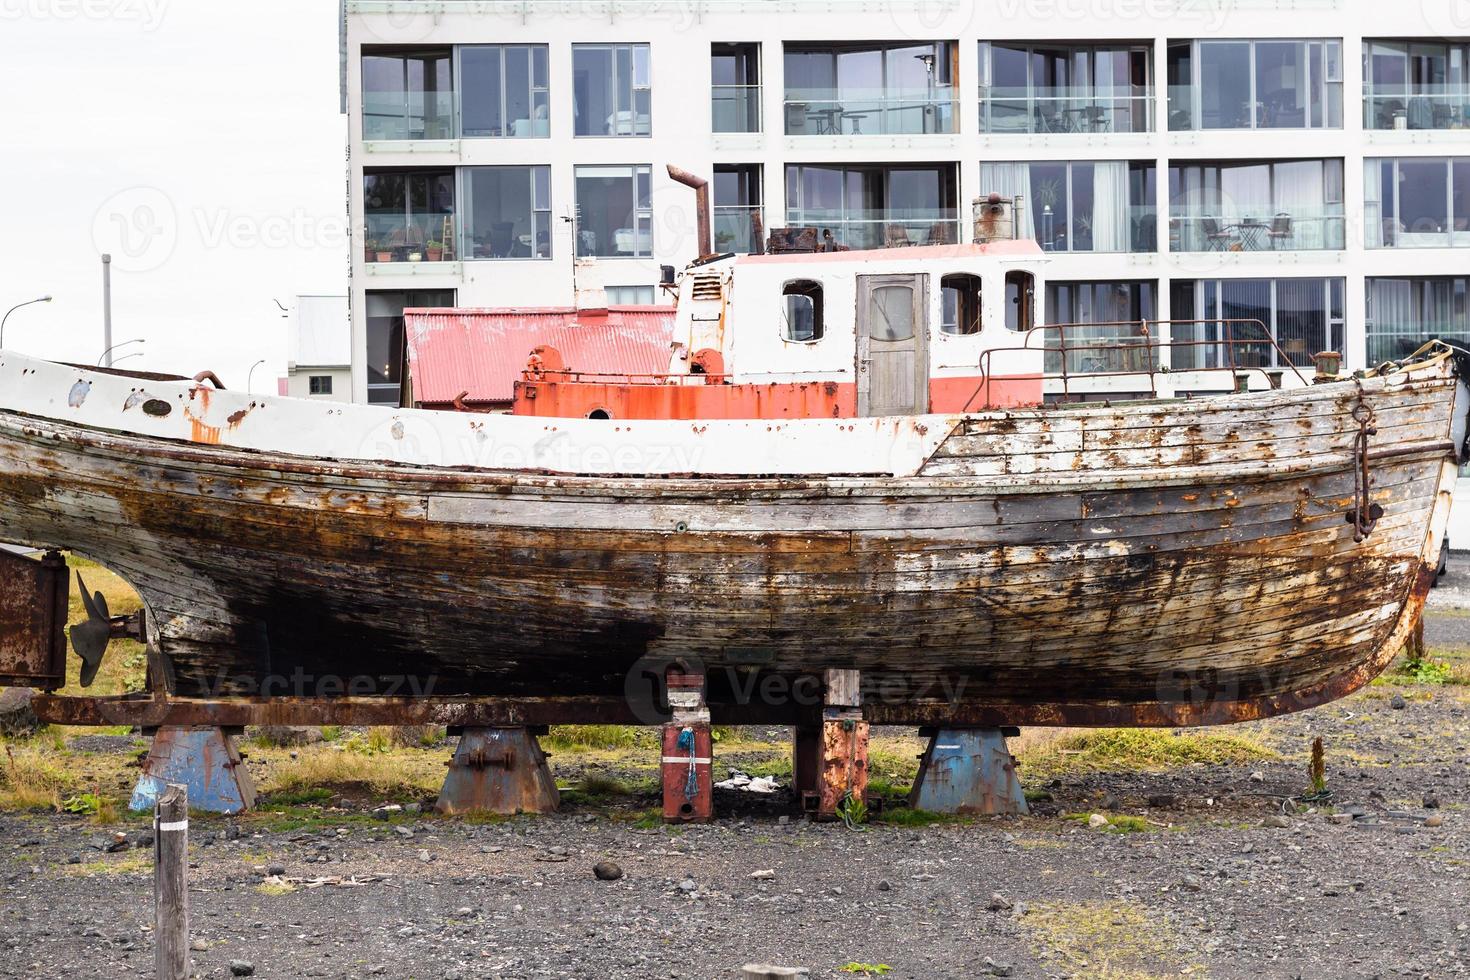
1152 563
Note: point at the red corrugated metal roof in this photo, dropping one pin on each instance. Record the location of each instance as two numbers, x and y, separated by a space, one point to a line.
484 351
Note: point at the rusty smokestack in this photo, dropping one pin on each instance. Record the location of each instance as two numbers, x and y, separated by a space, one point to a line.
701 206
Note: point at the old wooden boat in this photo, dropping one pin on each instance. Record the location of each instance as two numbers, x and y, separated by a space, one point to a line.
1155 562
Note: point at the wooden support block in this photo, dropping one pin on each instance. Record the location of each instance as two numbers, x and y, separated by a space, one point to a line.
498 770
842 688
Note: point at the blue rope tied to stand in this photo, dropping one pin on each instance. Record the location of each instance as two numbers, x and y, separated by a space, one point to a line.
691 784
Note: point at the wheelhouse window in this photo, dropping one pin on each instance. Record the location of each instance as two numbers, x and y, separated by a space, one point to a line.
1232 322
409 213
1416 202
1020 300
504 91
1047 88
1080 206
1104 325
735 88
1269 84
615 217
1416 84
1256 205
385 336
407 95
960 298
868 206
1406 313
737 207
802 311
507 212
611 91
870 88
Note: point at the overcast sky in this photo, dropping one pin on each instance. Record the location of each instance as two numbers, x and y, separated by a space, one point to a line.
197 141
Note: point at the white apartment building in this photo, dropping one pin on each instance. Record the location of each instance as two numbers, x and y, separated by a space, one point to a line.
1305 163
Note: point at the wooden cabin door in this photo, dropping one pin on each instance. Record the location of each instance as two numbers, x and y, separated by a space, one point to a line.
892 345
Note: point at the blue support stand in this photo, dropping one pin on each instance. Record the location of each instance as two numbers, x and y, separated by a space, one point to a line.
204 759
968 770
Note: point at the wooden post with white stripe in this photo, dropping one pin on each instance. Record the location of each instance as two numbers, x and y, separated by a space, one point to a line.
170 883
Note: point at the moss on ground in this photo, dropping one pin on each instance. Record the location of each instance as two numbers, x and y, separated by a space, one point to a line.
1107 940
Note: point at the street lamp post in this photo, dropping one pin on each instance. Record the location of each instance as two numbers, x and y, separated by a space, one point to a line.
104 355
39 299
250 378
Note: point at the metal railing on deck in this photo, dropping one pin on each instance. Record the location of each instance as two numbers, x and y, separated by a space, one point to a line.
1137 354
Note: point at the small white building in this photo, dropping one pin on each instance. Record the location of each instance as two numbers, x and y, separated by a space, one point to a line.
319 349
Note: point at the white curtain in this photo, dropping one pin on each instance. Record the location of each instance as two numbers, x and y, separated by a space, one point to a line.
1011 180
1372 204
1300 193
1110 218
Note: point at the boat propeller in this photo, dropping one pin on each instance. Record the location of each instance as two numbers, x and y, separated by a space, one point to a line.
90 639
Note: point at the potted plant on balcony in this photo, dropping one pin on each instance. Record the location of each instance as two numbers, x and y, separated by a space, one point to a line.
385 252
435 250
370 250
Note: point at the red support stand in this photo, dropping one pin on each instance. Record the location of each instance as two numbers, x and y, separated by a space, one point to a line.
830 757
687 770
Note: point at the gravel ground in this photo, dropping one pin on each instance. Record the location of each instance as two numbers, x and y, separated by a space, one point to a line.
1208 887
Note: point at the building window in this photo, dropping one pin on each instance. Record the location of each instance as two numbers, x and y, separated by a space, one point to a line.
735 88
1416 85
1093 206
1405 314
1416 202
407 96
737 207
1113 337
503 91
629 295
610 89
615 219
802 311
1272 84
870 89
872 206
385 336
507 212
1221 322
1020 300
409 213
319 384
960 299
1027 88
1248 206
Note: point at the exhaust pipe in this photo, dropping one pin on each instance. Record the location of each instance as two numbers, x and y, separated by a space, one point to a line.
701 206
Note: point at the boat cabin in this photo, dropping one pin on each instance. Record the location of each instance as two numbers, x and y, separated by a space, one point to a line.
832 334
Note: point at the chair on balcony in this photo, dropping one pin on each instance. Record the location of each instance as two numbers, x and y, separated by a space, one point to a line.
1280 230
1217 239
896 236
941 233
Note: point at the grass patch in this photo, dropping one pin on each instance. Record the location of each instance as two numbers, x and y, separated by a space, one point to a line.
1118 823
866 969
1146 748
34 778
275 887
356 762
1106 940
301 797
605 737
907 817
129 863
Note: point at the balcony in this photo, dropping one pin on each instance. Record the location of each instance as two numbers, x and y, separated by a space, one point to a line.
1017 110
410 216
735 108
734 228
861 228
1265 84
1259 228
822 112
407 115
1427 107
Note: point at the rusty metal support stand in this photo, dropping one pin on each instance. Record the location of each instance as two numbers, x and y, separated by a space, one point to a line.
202 758
830 757
499 770
968 770
687 766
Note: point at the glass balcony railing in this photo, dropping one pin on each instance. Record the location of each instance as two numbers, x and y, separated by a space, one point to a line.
882 229
408 116
823 112
736 108
1133 228
1114 348
1066 110
1427 107
734 228
1257 230
393 238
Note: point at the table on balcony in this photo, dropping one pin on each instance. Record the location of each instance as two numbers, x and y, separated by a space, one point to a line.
1252 234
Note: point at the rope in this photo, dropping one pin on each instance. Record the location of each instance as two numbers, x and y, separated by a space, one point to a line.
691 784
